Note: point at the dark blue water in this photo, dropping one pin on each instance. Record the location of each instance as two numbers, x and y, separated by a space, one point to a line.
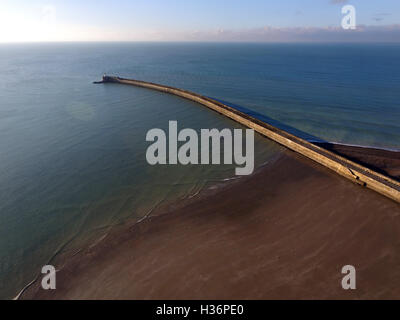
72 161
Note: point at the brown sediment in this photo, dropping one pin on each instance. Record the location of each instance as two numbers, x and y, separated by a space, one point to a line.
381 160
283 233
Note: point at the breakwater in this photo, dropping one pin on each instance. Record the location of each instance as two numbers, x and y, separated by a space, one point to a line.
351 170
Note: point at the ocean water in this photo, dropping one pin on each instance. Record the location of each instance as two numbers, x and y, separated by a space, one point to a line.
72 154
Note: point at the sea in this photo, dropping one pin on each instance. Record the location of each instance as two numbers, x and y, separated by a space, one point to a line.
72 153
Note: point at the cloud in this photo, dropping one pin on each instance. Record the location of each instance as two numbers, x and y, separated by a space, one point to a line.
363 33
389 33
380 16
338 1
20 28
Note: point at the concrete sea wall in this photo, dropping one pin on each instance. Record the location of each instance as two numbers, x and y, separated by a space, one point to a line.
349 169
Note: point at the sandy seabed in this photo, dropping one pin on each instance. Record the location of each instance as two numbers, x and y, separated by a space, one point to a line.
284 232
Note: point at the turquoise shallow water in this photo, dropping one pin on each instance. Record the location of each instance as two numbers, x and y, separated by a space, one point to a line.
72 154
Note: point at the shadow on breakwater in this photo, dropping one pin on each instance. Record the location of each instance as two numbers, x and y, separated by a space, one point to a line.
273 122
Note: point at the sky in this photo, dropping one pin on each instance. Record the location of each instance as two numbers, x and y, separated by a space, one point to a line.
196 20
